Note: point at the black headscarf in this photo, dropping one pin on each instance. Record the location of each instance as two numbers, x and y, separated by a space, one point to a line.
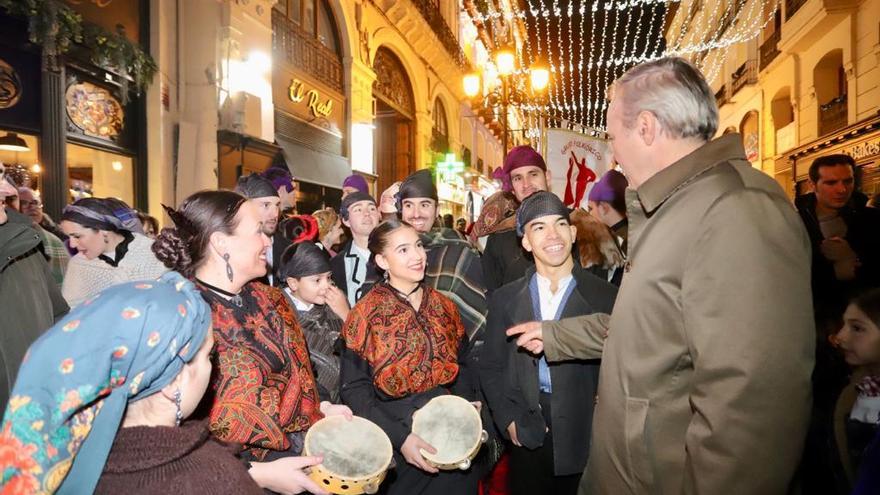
255 186
418 185
355 197
302 260
539 204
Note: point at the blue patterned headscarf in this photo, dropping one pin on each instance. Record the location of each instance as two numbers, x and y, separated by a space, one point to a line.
122 345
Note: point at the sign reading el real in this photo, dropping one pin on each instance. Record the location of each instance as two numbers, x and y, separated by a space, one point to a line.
308 101
297 93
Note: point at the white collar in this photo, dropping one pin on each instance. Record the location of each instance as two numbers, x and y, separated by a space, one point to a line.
544 284
358 251
297 303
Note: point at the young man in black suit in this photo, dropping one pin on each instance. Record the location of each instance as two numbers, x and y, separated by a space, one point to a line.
545 410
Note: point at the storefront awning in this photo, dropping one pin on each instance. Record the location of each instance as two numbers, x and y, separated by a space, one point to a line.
312 166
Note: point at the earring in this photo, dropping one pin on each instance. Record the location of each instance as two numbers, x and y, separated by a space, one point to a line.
228 267
178 416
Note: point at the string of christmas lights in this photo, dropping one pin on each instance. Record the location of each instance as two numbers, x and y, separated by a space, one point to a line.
580 74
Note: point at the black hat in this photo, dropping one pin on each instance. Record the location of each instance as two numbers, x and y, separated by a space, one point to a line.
255 186
302 260
355 197
418 185
539 204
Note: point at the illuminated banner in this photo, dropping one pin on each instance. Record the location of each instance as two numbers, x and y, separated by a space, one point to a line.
575 162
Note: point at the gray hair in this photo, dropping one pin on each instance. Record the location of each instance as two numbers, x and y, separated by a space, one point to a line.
675 92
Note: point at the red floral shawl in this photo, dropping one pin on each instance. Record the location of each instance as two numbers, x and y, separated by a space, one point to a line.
263 383
409 352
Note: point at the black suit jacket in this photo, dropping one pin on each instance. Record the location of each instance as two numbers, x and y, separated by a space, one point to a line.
509 375
337 271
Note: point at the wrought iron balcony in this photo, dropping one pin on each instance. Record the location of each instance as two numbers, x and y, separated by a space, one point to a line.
430 10
833 115
721 96
303 51
747 73
770 49
792 6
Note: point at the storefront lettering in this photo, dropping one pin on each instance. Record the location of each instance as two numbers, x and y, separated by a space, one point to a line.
296 92
864 149
319 109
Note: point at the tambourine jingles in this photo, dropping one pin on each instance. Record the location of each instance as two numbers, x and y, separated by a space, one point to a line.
356 454
453 427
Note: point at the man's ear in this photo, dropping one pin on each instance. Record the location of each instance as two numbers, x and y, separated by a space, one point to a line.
345 222
548 176
292 283
574 233
525 243
647 127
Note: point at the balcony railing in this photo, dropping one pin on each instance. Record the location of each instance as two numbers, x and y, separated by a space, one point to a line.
747 73
430 10
832 115
792 6
770 49
721 96
303 51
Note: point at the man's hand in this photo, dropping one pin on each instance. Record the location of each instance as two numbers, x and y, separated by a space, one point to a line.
411 450
287 475
511 432
531 337
837 249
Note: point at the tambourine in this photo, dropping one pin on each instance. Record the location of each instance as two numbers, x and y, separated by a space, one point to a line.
356 454
453 427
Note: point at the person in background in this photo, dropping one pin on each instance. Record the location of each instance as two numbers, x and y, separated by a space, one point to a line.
32 206
404 345
388 202
329 230
352 268
321 308
264 195
857 411
150 224
263 394
461 228
110 249
354 183
30 300
285 186
111 386
503 258
448 221
498 214
607 203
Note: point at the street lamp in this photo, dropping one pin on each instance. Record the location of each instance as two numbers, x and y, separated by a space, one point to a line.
511 90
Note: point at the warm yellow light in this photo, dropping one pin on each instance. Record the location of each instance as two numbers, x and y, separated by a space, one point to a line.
540 78
36 168
505 61
117 166
471 83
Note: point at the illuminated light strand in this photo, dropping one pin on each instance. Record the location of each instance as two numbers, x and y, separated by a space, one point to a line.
618 5
580 113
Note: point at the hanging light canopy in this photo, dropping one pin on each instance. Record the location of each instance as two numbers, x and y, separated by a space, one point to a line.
11 142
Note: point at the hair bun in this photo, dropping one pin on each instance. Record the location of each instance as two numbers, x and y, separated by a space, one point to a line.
173 251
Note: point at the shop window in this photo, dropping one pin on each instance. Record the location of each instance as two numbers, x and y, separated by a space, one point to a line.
93 172
23 167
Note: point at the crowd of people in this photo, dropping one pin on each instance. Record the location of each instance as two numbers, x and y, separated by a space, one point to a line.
690 331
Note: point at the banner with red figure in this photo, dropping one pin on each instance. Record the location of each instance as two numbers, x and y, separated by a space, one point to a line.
575 162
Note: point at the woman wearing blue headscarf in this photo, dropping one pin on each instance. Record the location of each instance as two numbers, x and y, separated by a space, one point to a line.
100 398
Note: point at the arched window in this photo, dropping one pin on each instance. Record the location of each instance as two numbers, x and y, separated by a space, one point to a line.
440 132
315 18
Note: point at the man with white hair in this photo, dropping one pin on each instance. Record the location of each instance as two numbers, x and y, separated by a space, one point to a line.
707 355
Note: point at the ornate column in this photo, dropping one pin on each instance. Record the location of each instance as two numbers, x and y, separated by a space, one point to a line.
53 141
